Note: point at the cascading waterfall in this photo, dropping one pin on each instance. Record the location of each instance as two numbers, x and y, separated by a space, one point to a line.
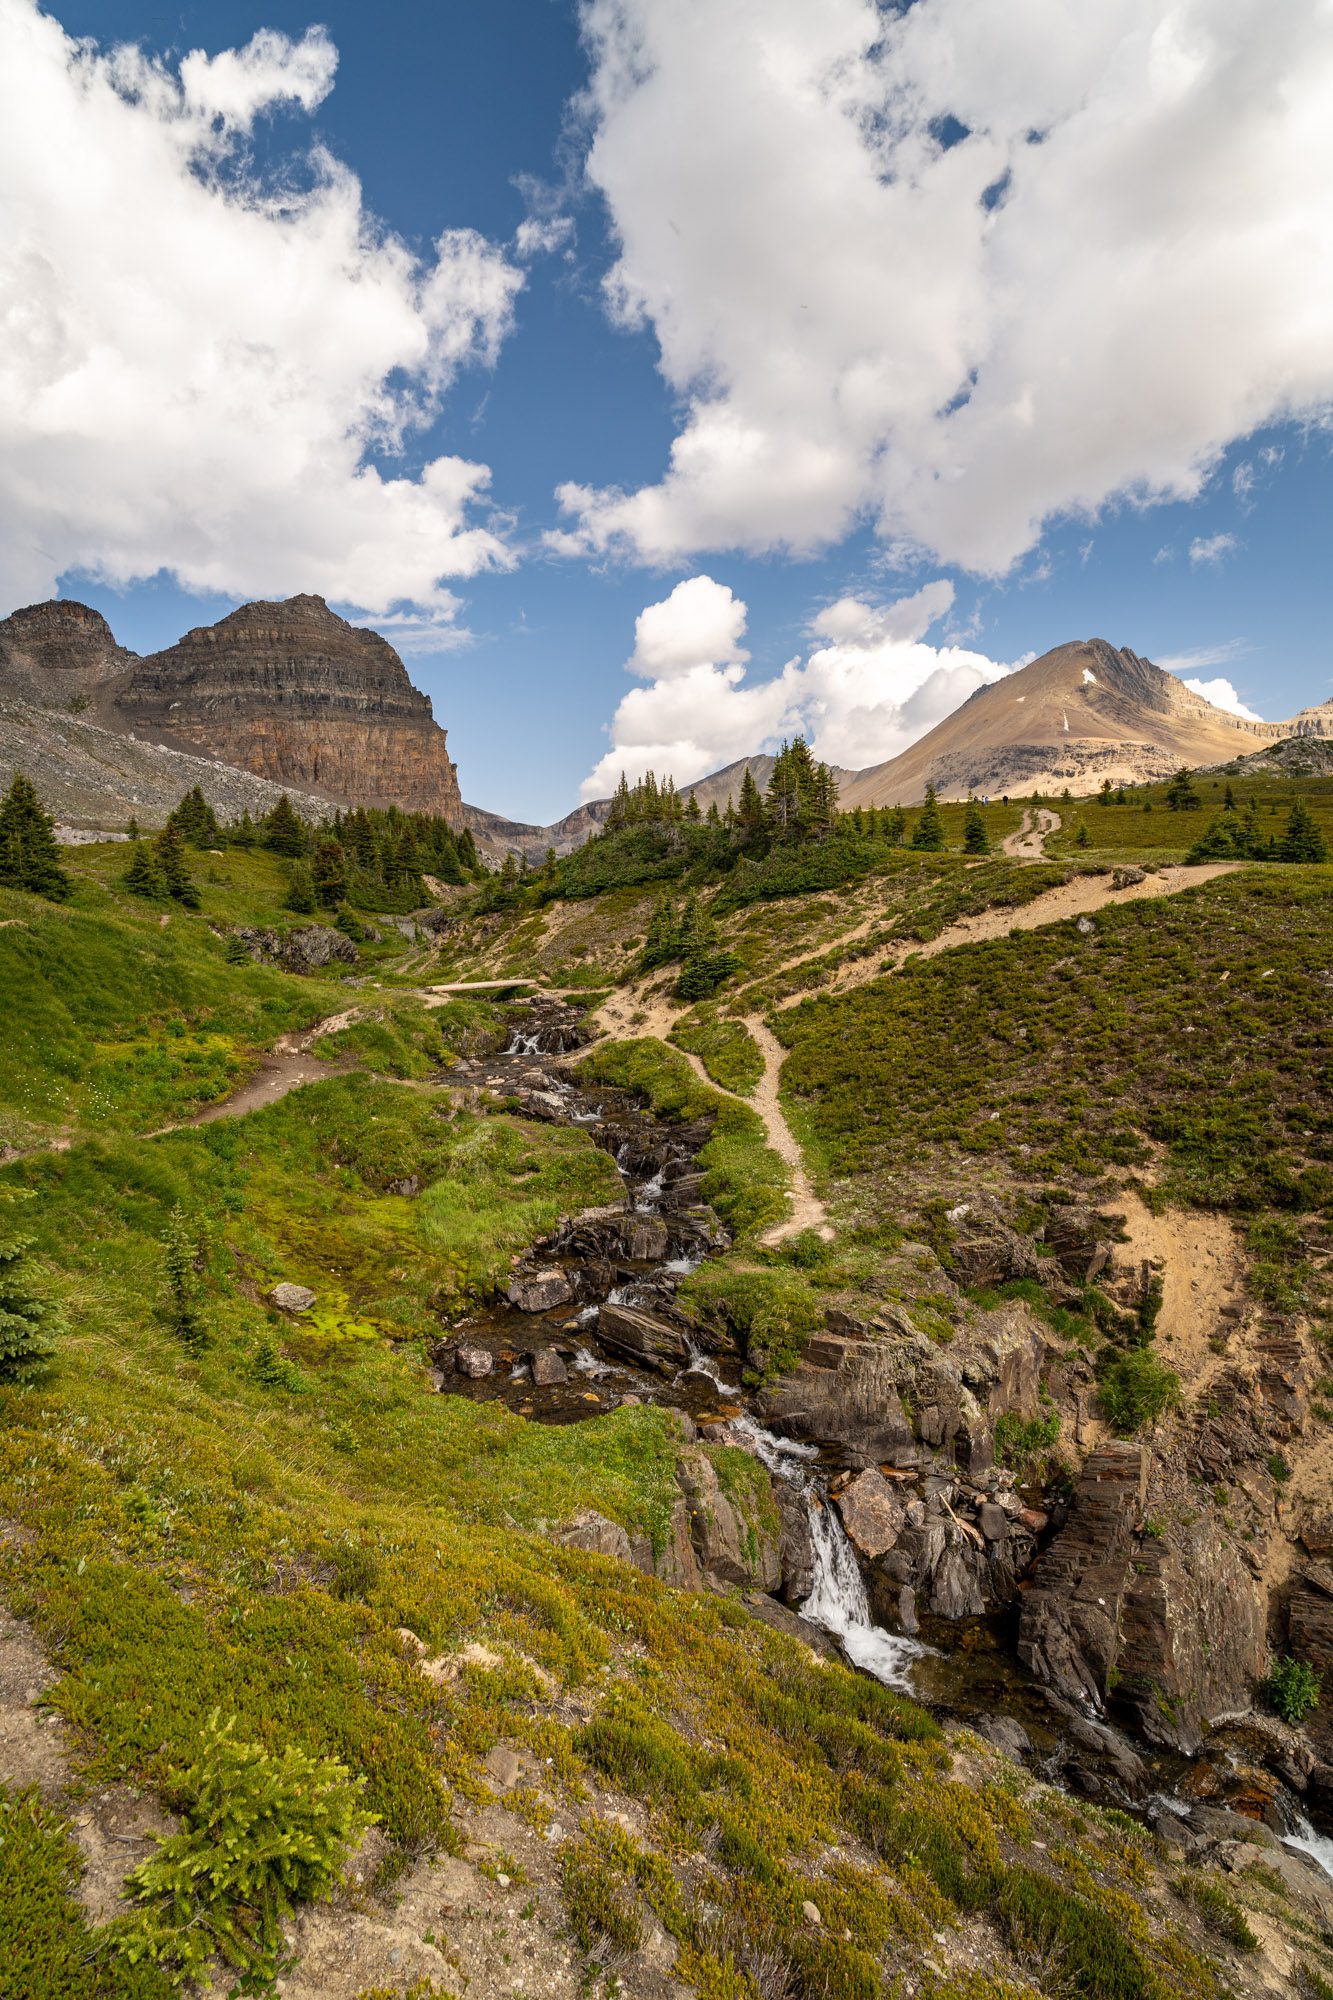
837 1600
1318 1845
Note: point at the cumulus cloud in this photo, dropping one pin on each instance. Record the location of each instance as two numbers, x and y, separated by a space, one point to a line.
1211 551
208 371
1222 694
957 267
866 692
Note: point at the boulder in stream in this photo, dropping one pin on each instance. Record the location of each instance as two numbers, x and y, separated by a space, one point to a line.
871 1513
474 1362
642 1337
548 1370
540 1291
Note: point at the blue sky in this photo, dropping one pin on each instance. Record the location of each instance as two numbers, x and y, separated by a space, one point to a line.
462 117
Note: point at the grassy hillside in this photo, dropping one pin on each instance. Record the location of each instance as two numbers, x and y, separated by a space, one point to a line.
1191 1028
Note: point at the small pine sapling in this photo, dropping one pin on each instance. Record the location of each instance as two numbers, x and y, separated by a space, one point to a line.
181 1245
28 1323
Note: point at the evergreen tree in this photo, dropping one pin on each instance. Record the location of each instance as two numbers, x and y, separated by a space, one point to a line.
1301 838
693 810
749 813
28 1323
132 830
1228 799
243 834
975 838
283 831
714 816
1106 792
467 850
143 877
300 896
662 943
195 820
895 826
181 1246
29 856
1082 838
236 952
329 874
1180 793
172 867
928 833
346 920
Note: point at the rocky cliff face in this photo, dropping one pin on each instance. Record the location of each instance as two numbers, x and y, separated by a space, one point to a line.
61 655
295 694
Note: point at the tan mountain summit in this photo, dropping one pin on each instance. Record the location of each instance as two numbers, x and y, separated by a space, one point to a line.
1083 712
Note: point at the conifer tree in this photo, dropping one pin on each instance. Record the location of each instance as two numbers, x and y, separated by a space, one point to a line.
693 811
1082 838
928 833
714 817
181 1247
975 838
29 856
749 813
132 830
196 821
1228 799
283 831
895 826
328 873
300 897
1180 793
28 1323
243 834
1301 838
172 867
347 921
143 877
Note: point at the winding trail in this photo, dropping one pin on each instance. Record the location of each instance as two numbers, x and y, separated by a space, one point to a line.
632 1012
1029 843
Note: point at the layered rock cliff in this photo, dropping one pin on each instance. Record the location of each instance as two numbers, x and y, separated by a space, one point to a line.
295 694
62 655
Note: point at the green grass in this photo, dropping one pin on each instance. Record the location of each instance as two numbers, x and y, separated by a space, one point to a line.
47 1949
727 1049
117 1023
743 1178
1071 1059
1129 834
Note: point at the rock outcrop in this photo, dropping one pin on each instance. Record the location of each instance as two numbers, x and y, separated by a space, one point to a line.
62 654
293 692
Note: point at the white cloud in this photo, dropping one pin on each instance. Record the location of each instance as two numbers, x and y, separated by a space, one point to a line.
1212 550
538 237
866 693
1222 694
196 362
1119 269
1165 554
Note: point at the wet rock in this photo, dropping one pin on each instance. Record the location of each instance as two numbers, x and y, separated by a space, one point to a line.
730 1546
782 1619
871 1513
292 1298
474 1362
594 1532
796 1553
540 1290
908 1621
642 1337
548 1370
1006 1734
1112 1749
992 1521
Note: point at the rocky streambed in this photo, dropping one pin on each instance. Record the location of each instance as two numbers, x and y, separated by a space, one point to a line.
893 1537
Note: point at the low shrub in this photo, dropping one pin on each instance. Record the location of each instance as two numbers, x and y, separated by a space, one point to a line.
1135 1389
1293 1688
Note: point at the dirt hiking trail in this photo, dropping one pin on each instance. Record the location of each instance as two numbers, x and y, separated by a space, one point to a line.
1029 843
636 1012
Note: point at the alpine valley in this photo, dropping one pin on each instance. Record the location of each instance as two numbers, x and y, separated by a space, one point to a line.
730 1397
